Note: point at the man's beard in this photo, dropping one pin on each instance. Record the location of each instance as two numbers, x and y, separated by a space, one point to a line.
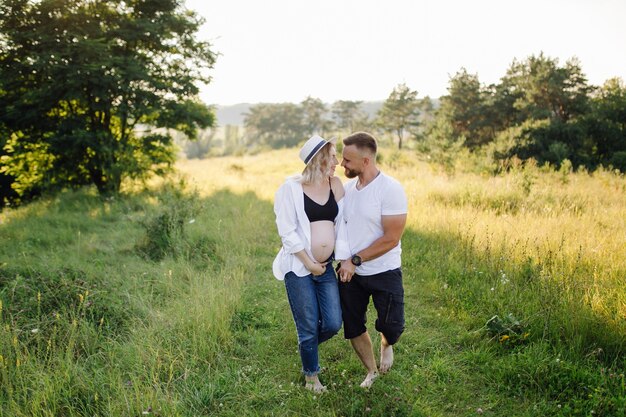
350 173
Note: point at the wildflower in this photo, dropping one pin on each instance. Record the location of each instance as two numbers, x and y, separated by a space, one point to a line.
80 297
34 331
192 221
504 338
493 289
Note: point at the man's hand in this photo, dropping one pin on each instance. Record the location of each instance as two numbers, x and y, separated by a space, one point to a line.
346 271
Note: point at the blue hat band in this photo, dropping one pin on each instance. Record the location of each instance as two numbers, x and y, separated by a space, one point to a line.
313 151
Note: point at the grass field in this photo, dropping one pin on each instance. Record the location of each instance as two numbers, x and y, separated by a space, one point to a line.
163 303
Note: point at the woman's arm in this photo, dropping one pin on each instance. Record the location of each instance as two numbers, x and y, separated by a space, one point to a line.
287 220
287 223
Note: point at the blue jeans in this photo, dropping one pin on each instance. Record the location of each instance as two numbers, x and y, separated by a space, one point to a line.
316 310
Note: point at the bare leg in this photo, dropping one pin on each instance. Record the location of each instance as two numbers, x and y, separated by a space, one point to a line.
313 383
363 347
386 355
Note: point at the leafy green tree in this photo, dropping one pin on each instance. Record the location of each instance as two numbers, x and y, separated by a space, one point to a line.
80 78
315 116
441 146
427 109
400 112
348 115
559 95
275 125
7 194
606 124
545 90
466 108
234 141
199 148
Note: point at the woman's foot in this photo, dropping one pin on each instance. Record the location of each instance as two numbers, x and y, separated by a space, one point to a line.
312 383
369 379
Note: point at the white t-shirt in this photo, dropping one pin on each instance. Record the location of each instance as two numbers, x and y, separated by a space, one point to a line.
363 211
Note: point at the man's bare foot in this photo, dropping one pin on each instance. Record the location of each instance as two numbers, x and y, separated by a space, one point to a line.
314 384
369 379
386 357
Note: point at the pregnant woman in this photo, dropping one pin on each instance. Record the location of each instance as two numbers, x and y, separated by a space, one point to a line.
307 207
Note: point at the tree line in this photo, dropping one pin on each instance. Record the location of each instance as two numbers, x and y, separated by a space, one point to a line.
276 125
539 110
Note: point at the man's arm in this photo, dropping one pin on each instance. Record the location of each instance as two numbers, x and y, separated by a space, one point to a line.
393 227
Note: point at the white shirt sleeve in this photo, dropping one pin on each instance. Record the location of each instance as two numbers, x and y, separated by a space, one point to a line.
287 219
394 200
342 246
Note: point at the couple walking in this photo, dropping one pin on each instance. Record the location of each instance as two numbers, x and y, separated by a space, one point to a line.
360 225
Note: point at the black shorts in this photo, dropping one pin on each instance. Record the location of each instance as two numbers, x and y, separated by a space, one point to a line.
388 295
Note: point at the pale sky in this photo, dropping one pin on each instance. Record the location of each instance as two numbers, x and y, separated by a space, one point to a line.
285 50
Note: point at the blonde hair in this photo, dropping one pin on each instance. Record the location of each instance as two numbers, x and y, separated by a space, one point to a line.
316 170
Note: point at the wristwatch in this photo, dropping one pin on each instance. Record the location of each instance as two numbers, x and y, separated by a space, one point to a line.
356 260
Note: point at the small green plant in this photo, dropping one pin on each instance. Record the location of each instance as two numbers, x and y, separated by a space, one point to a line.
528 176
508 331
565 170
165 231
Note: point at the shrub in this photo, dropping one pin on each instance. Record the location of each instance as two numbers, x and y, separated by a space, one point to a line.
618 161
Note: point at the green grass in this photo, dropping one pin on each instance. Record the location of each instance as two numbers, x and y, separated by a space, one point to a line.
163 302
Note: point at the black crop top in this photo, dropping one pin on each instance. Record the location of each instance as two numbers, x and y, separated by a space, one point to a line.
316 212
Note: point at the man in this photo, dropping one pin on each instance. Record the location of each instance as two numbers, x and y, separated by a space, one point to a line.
375 210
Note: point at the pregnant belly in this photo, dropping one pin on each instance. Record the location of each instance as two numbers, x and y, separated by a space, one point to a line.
322 239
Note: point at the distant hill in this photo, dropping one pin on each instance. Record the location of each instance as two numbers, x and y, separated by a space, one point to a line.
234 114
231 115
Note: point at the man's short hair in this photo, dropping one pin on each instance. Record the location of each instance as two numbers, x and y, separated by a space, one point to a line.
362 140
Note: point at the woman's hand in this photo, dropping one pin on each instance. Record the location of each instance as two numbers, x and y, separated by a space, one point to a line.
317 268
312 265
